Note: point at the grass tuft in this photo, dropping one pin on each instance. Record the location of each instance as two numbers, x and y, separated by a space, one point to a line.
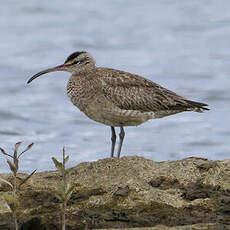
64 190
12 199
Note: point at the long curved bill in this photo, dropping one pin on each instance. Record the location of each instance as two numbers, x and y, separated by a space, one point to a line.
56 68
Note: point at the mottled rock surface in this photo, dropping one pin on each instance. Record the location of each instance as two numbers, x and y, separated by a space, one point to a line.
130 192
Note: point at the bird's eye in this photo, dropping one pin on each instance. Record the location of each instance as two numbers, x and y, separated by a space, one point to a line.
76 62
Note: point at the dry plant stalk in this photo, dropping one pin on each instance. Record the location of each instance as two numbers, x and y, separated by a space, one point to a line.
12 200
64 190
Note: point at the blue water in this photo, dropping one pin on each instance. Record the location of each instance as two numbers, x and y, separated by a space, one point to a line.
182 45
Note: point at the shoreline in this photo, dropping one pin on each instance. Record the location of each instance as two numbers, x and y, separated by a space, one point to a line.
130 192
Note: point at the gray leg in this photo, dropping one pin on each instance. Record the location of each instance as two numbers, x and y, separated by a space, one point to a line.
113 139
121 135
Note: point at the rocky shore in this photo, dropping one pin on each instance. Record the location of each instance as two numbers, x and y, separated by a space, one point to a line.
130 192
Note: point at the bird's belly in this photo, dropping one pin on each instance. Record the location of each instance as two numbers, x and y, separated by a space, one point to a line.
113 116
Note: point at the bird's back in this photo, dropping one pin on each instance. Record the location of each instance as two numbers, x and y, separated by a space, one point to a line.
133 92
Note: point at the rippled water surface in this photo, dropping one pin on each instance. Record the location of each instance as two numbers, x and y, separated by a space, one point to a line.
182 45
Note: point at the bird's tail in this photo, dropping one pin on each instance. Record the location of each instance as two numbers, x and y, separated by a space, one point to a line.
197 106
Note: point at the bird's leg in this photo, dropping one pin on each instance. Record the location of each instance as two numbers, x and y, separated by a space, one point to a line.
121 135
113 139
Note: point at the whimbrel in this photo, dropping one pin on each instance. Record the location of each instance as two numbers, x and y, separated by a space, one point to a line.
117 98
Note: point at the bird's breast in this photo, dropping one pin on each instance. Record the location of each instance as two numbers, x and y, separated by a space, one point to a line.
81 92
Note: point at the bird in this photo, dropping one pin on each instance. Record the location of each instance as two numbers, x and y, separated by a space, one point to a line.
117 98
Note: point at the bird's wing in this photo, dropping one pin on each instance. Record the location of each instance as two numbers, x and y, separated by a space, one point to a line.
133 92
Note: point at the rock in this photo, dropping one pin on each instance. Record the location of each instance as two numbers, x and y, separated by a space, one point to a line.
130 192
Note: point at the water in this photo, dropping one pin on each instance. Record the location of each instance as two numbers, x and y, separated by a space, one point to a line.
183 46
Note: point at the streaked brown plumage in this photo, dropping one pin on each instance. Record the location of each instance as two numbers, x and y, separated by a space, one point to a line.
117 98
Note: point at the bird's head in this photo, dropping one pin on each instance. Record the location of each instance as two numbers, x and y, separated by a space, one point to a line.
76 63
